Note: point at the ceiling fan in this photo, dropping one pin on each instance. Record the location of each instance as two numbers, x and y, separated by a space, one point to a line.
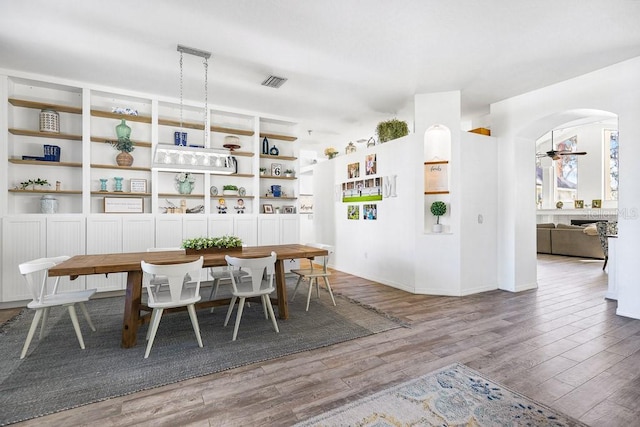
557 154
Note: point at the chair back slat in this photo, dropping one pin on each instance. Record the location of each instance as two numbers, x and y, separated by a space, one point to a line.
258 268
322 260
177 275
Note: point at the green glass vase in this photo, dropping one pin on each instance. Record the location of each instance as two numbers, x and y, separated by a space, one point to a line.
123 130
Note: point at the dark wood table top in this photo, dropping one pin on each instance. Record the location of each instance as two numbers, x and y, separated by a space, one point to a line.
81 265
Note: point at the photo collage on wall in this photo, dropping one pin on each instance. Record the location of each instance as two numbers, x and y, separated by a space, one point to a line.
368 189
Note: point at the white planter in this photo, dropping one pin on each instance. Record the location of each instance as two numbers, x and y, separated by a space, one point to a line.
230 192
437 228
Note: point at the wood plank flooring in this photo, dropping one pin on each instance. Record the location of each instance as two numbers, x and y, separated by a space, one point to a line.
561 344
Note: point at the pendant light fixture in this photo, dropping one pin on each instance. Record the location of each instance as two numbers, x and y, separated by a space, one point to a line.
194 159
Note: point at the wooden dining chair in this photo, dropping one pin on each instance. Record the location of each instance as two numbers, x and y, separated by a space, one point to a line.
313 273
45 296
178 292
252 285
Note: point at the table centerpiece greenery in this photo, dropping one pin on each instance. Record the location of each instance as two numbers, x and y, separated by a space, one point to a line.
211 244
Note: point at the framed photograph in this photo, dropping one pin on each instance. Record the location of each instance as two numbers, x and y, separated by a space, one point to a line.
370 212
288 209
578 204
138 185
268 209
370 164
596 203
353 212
123 204
436 177
353 170
276 169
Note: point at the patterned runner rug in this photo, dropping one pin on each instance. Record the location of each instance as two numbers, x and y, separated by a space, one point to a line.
452 396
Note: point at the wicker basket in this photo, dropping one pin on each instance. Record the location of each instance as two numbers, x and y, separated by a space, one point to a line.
49 121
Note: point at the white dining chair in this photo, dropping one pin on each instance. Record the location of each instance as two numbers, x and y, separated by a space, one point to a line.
45 295
222 276
160 280
176 293
251 285
312 274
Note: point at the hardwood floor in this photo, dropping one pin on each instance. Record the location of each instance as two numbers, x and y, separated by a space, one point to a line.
561 344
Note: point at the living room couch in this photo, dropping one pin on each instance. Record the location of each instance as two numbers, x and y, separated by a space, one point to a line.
569 240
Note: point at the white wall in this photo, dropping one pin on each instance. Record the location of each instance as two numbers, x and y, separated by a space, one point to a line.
518 121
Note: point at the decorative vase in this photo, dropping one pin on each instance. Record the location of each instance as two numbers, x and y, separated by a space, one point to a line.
103 184
185 187
123 130
48 204
265 146
124 159
118 180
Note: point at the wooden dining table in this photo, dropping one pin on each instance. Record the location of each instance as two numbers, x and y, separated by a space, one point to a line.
82 265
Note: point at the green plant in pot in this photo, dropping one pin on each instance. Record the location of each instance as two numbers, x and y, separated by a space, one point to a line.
438 208
125 146
230 189
391 129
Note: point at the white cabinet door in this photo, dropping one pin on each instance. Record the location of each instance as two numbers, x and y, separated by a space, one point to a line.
268 230
66 236
246 228
289 229
104 235
221 225
23 239
194 226
138 233
168 231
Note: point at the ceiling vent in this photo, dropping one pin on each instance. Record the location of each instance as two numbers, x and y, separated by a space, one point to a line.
274 81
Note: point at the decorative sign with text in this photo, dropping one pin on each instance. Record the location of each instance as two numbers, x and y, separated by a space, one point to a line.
436 177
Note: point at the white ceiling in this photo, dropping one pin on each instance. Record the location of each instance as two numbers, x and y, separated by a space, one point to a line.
350 63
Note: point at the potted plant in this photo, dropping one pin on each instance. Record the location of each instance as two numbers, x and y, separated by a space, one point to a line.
330 152
230 190
263 171
289 173
438 208
33 182
125 146
200 245
391 129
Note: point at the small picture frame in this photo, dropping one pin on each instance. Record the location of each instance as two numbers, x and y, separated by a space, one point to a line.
276 169
268 209
578 204
596 203
138 185
288 209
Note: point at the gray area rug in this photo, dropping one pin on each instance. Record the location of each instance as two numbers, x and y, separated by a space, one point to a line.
451 396
57 375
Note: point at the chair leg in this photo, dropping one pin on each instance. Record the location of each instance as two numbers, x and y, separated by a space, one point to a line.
32 331
296 288
273 317
605 262
230 310
311 280
214 291
155 321
86 316
154 313
194 322
45 317
76 325
238 317
326 283
264 308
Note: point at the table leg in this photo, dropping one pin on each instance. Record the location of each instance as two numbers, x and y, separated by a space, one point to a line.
132 302
281 289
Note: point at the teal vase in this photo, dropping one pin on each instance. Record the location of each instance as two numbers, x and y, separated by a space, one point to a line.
123 130
185 187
